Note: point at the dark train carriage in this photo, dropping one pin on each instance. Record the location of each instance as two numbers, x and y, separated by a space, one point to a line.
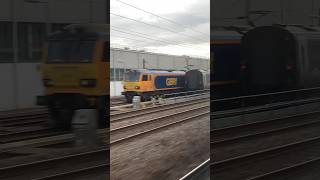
281 58
270 59
225 64
196 80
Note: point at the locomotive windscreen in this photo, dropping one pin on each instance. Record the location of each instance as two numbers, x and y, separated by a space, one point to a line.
132 76
70 51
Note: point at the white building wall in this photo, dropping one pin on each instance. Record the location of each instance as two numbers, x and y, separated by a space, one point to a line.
23 84
131 59
7 90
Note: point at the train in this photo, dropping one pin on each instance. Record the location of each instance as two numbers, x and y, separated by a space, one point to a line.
281 58
225 63
154 83
265 59
75 73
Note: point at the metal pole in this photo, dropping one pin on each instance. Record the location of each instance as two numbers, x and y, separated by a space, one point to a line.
48 19
319 18
114 73
15 52
107 11
282 11
247 11
90 11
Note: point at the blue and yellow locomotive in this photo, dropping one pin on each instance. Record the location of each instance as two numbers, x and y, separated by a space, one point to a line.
147 83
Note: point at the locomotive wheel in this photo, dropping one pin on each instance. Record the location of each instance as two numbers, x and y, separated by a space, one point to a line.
129 98
103 114
60 119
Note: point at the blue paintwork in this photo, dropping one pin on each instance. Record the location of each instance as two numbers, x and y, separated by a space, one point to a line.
160 81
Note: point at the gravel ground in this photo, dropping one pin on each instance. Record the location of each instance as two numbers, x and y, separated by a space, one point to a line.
164 155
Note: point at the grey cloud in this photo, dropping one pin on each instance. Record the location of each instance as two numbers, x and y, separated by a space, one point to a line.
196 16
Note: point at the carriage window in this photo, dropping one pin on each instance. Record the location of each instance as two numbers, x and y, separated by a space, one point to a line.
149 78
145 78
314 53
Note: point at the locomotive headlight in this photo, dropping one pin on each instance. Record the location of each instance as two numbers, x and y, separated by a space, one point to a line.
47 82
88 82
137 87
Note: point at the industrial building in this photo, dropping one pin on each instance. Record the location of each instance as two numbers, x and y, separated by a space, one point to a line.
124 59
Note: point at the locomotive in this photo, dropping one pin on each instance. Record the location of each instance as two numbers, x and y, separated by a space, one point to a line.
75 73
225 63
152 83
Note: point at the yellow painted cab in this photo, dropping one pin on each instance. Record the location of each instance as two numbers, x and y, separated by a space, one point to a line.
75 73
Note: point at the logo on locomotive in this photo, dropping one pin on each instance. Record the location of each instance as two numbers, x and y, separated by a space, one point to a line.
171 81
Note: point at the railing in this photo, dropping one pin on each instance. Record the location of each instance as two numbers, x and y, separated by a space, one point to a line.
268 94
295 98
187 95
271 97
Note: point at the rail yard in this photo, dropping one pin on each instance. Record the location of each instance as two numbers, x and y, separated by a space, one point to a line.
29 145
271 141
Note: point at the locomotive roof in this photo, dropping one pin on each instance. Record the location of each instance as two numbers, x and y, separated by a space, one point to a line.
295 29
146 71
228 32
82 31
223 35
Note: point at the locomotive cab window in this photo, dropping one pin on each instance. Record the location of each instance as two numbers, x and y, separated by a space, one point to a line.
70 51
145 77
132 76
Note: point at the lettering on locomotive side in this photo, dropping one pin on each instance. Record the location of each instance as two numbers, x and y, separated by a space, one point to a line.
171 81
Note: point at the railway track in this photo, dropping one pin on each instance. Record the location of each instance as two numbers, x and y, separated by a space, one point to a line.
23 125
129 131
29 133
117 101
24 118
265 149
120 116
93 162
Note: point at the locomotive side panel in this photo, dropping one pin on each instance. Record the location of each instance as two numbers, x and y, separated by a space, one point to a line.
163 82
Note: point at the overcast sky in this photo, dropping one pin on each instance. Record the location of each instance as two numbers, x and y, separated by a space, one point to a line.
190 39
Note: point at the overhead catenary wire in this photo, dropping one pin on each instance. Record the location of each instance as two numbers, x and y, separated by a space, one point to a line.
161 41
148 49
158 39
161 17
155 26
